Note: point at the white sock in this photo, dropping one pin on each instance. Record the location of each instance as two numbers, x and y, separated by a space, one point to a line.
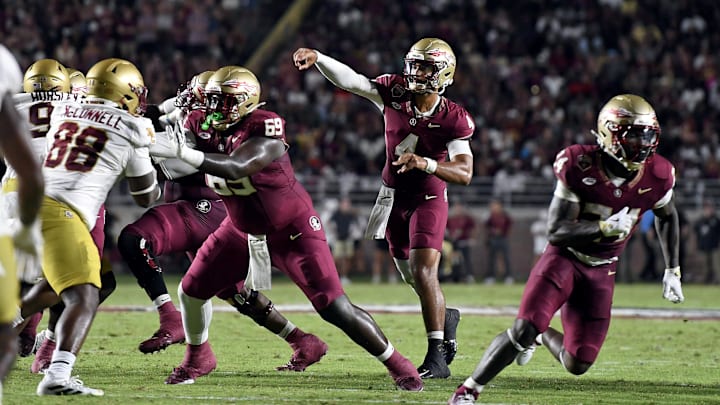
473 385
389 350
286 330
436 334
62 364
49 335
196 316
161 299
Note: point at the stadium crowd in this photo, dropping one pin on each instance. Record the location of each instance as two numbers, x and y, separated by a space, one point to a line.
533 73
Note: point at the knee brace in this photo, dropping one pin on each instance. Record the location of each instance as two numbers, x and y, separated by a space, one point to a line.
403 267
139 256
252 304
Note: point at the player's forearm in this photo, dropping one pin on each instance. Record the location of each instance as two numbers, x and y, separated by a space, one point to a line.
668 230
454 172
574 233
343 76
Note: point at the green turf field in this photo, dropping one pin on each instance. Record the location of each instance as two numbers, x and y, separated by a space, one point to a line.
663 361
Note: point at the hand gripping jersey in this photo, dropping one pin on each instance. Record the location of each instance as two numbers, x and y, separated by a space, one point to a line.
89 148
580 169
405 131
268 200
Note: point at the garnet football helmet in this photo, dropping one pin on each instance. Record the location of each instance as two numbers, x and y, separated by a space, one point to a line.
46 75
429 66
192 94
78 85
232 92
628 130
120 81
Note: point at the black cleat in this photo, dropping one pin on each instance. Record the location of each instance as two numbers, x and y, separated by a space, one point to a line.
430 369
450 345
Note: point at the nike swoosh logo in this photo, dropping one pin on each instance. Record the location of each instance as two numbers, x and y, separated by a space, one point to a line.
431 125
644 190
610 273
430 197
293 237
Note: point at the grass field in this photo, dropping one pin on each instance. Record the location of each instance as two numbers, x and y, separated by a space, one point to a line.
644 360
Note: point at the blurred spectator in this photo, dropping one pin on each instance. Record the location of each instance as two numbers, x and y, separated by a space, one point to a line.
497 227
460 231
342 222
539 231
382 262
707 232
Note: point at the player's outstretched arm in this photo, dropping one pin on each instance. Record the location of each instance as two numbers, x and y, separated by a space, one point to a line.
251 157
667 226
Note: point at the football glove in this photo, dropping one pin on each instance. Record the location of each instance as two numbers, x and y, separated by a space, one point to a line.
28 238
184 152
672 288
617 224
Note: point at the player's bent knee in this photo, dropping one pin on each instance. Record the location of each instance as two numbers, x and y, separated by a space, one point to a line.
524 332
573 365
339 312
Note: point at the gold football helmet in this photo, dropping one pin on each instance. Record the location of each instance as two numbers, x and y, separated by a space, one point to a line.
191 95
429 66
120 81
232 92
46 75
78 84
628 130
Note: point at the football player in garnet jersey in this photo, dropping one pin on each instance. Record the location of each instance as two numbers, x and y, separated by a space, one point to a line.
15 144
191 212
601 192
243 152
422 130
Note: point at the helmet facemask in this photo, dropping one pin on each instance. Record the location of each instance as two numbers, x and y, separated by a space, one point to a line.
422 76
231 93
429 66
223 109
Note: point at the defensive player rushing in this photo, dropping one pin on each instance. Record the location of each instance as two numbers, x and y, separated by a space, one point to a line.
192 211
91 145
254 176
422 128
45 83
15 146
601 192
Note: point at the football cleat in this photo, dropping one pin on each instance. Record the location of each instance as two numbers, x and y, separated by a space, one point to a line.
27 336
170 332
43 353
403 373
524 356
199 361
430 369
450 345
309 349
72 386
463 396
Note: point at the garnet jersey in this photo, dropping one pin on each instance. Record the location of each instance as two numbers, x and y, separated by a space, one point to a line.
580 169
90 147
268 200
406 131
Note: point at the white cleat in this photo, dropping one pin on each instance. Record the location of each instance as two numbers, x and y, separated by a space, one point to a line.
526 355
72 386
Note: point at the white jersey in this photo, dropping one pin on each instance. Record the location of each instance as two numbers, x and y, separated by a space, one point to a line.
89 148
35 109
10 83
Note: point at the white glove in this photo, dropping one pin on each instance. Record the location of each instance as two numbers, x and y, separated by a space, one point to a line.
672 289
617 224
176 135
28 238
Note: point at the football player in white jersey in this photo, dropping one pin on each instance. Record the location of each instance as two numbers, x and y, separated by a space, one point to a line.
15 144
90 146
44 81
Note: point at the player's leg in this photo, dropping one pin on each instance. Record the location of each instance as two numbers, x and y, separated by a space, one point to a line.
221 261
307 260
548 287
307 348
585 319
29 331
9 291
72 267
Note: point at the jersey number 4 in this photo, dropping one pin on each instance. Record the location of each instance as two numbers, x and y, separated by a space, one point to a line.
77 150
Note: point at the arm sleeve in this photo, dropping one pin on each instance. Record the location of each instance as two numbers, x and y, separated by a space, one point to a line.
167 106
139 163
175 168
341 75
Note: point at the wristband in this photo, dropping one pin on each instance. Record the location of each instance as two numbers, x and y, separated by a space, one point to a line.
431 165
674 270
193 157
